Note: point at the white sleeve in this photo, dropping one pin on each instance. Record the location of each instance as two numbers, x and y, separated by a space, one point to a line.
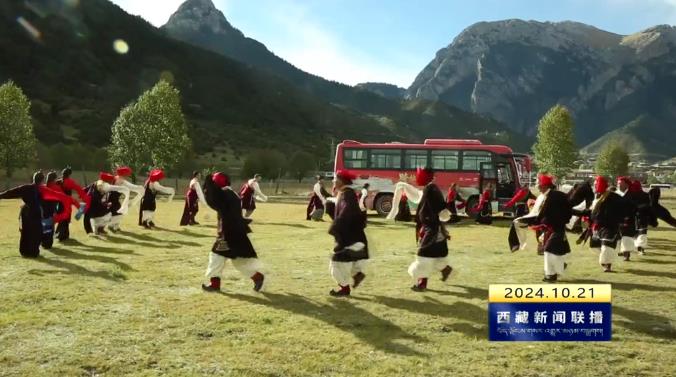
257 192
412 193
200 193
139 190
318 192
122 190
163 190
362 199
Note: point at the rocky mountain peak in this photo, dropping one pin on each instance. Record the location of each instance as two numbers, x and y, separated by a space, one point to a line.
201 16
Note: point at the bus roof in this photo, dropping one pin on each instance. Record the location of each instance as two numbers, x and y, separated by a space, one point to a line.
433 144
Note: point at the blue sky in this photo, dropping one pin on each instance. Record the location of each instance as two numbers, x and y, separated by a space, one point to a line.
353 41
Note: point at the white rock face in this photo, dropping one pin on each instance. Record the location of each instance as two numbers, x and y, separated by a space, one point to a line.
199 14
514 70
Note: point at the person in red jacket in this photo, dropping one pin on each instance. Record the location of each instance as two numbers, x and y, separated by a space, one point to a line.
452 197
483 209
68 186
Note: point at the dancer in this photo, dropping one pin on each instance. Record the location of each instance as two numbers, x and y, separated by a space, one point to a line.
452 199
317 204
117 211
363 195
517 232
232 242
404 214
628 230
32 222
351 251
49 209
149 202
250 192
606 215
551 221
68 185
484 212
193 196
431 233
644 214
659 211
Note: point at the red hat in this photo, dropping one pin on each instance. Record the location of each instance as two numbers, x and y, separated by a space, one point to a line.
156 175
220 179
123 171
423 176
600 184
346 176
626 180
636 186
107 177
545 180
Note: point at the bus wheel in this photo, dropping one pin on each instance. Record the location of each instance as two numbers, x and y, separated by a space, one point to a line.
472 202
383 204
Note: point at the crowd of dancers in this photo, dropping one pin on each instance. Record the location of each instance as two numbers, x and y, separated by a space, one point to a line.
604 216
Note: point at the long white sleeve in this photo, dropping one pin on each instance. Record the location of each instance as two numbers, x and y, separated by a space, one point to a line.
138 190
122 190
257 191
163 190
200 193
318 191
362 199
412 193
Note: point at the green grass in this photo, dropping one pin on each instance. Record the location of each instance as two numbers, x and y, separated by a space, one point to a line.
132 305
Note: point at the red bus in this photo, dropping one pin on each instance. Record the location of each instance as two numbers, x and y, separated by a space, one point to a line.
469 163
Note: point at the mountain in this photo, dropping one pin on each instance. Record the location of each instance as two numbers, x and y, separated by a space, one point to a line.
386 90
200 23
62 55
515 70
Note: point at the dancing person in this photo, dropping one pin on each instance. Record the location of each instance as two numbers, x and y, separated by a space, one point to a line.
607 213
363 195
484 211
117 209
350 253
431 233
517 232
454 202
193 196
33 224
628 229
68 186
250 192
149 201
317 205
404 213
659 211
232 242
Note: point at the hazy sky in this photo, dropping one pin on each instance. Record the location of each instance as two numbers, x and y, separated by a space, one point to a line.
353 41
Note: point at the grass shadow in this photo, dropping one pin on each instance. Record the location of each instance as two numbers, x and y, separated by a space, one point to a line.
646 323
163 245
302 226
459 309
69 254
664 274
345 316
470 292
69 268
101 249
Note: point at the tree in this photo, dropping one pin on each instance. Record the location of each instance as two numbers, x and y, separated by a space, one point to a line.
613 160
555 150
151 132
300 164
17 144
268 163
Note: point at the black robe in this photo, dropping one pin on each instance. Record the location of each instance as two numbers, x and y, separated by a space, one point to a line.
606 217
348 228
62 228
148 202
659 212
31 218
430 232
555 213
233 229
644 213
49 209
98 207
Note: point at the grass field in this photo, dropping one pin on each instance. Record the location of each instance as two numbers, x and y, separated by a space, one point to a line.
132 305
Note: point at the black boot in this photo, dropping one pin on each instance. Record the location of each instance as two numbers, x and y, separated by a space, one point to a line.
550 278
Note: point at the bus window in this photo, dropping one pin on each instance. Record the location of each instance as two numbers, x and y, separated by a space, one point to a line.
445 160
355 158
385 159
471 160
415 159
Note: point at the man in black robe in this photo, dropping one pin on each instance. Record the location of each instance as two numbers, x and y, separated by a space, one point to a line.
607 213
68 185
350 253
49 209
232 242
149 200
431 233
551 221
628 228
